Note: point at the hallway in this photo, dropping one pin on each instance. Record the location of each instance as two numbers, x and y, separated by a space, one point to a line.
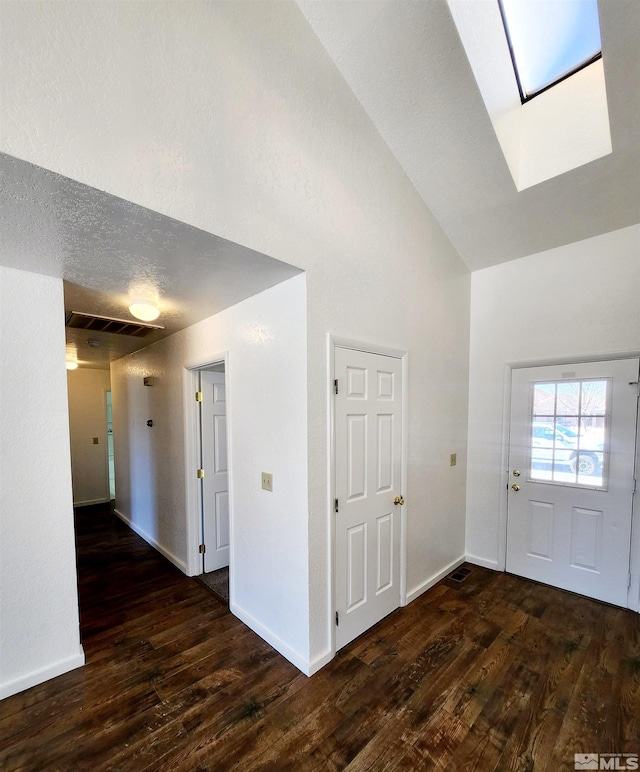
496 672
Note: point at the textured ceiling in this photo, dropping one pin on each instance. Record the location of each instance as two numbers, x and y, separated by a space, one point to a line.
107 249
405 63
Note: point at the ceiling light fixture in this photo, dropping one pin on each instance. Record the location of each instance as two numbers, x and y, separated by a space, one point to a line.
144 309
71 365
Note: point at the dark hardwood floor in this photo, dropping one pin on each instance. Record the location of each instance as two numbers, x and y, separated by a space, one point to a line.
494 673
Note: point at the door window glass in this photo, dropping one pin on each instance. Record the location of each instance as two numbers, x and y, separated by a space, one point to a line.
569 432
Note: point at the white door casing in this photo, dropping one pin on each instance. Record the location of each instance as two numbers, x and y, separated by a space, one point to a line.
569 523
368 467
215 484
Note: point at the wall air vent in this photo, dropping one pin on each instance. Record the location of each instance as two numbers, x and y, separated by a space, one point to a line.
80 321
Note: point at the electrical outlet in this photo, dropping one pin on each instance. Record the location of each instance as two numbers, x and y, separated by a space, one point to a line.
267 481
453 460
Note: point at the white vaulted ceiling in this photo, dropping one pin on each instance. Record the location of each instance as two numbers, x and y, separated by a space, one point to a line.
404 61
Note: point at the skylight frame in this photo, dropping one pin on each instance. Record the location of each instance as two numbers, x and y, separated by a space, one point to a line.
524 96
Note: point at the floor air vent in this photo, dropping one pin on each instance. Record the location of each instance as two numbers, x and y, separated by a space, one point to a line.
80 321
457 577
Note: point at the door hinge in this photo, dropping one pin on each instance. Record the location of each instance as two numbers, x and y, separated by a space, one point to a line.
200 474
198 396
335 386
337 618
202 549
335 505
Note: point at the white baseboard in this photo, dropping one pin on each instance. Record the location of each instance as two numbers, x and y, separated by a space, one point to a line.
273 640
89 502
42 675
321 661
633 595
434 579
150 540
483 562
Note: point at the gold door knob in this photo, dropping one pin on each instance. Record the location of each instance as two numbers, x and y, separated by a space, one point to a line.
515 487
398 500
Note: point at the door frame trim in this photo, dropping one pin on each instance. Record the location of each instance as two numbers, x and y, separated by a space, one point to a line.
104 402
193 497
633 595
334 342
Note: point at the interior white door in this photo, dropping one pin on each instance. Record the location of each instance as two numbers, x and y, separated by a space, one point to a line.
571 469
215 485
368 450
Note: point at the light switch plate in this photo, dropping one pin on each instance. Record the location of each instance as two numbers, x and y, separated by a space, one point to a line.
453 459
267 481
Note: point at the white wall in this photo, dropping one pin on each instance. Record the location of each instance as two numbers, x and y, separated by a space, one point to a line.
576 302
88 419
264 339
39 626
232 117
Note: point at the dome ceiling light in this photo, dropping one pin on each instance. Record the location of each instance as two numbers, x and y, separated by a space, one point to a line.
144 310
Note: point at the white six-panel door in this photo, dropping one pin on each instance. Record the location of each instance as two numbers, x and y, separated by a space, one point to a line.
571 471
215 485
368 446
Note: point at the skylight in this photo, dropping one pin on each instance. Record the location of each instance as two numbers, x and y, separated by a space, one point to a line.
550 40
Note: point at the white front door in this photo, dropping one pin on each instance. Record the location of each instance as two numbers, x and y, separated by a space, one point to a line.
571 468
368 449
215 485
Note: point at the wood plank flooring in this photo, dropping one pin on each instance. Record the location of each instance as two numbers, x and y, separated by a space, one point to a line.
495 673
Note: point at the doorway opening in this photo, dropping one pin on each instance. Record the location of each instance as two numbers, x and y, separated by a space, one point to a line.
213 479
571 477
369 476
111 467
